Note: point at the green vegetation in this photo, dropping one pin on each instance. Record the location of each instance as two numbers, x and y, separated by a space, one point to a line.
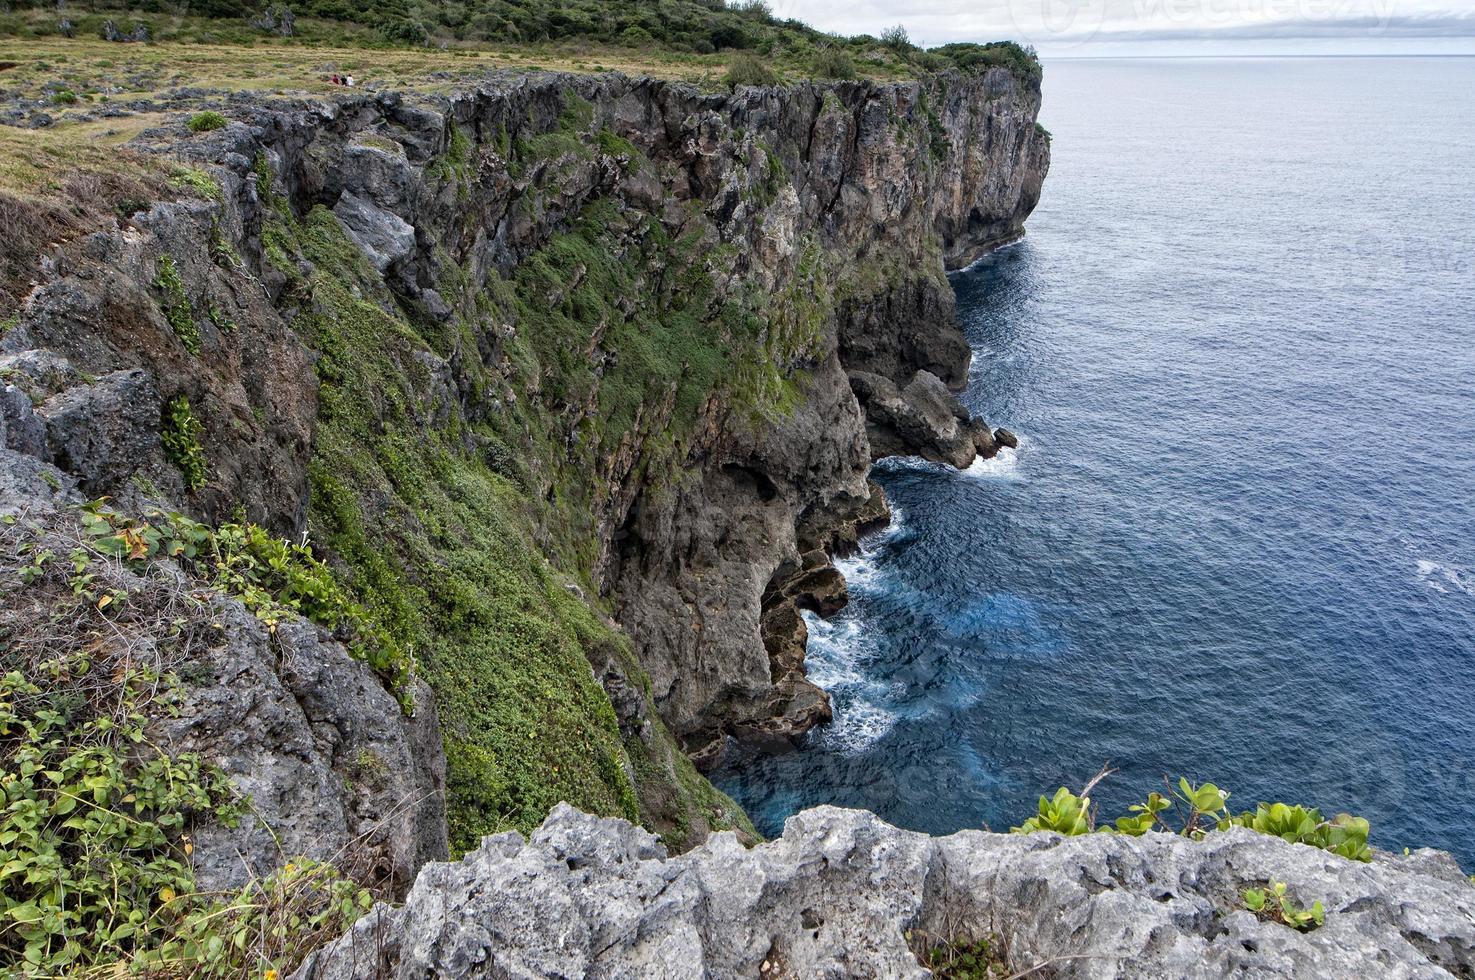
180 433
64 97
96 875
204 122
833 62
689 38
749 69
272 577
90 837
196 181
442 529
1274 905
177 307
1200 810
961 958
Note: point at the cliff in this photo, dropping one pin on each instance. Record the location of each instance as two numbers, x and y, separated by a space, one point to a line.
566 377
843 894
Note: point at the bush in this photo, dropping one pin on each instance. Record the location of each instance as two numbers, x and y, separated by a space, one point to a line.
896 39
831 62
65 97
204 122
746 69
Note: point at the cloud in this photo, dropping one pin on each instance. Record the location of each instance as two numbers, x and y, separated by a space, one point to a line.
1047 22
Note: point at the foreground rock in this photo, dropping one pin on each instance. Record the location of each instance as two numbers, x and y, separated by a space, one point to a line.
838 893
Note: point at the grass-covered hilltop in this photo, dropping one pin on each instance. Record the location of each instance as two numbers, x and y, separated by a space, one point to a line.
690 39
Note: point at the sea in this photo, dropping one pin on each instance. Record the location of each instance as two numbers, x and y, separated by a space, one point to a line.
1237 540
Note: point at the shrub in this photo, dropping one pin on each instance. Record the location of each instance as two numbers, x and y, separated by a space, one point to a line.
832 62
747 69
180 433
896 39
204 122
65 97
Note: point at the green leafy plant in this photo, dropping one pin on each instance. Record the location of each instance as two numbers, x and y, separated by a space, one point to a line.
264 930
1274 905
1344 834
1200 809
1064 813
221 319
273 577
180 433
177 307
92 846
204 122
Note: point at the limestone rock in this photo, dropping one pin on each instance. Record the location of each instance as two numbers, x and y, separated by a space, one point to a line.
102 431
384 237
837 894
923 419
332 766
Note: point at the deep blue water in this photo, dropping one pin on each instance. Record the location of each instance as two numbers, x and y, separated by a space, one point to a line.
1238 539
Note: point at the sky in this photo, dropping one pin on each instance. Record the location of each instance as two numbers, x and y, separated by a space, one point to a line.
1086 28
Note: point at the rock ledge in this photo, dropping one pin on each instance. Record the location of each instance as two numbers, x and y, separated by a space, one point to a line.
835 896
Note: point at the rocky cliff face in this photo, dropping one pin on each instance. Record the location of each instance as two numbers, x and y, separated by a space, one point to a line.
843 894
561 373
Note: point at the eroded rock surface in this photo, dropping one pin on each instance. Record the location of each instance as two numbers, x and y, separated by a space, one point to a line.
838 893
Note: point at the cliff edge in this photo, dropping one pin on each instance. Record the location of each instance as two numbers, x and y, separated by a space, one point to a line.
843 894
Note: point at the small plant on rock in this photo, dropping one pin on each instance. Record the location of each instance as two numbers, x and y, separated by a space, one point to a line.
1274 905
961 959
180 433
1064 813
204 122
177 308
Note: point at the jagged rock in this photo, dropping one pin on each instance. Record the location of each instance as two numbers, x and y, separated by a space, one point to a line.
838 893
923 419
101 431
332 766
821 590
384 237
20 428
1006 438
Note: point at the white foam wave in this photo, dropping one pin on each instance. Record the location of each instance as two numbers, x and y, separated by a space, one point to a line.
1004 465
1448 579
857 725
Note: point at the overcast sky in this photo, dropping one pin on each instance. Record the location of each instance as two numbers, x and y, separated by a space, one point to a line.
1094 27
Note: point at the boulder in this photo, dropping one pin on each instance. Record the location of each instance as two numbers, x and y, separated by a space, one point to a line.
384 237
923 419
1006 438
102 431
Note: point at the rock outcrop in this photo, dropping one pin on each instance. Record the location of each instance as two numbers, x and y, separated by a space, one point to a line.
843 894
329 765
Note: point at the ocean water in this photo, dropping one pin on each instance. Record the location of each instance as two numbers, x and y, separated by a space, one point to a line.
1237 541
